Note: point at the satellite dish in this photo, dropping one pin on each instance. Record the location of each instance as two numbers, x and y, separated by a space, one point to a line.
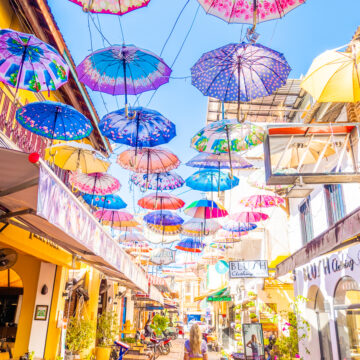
8 258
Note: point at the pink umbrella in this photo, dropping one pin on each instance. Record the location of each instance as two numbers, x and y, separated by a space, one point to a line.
113 217
249 216
95 183
262 201
162 201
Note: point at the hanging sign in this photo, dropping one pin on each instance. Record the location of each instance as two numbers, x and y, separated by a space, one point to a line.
248 269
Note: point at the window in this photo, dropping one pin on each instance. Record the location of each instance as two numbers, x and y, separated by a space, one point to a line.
307 230
334 203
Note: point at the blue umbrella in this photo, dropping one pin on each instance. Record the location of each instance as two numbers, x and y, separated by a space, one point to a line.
190 245
240 72
140 128
211 180
163 217
239 227
111 202
54 120
158 181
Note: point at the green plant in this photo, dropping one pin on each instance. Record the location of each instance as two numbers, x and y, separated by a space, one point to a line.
106 330
58 357
79 335
129 340
250 304
159 324
31 355
253 316
251 293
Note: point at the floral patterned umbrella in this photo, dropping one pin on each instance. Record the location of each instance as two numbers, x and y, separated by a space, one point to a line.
158 181
262 201
30 64
117 7
249 217
197 227
163 218
113 217
190 245
218 161
234 226
110 202
162 201
54 120
94 183
148 160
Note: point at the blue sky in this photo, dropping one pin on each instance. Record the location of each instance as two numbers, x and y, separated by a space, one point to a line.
300 36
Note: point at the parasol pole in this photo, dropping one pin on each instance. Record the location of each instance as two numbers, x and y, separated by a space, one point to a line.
254 17
219 180
229 149
21 69
239 89
137 133
125 84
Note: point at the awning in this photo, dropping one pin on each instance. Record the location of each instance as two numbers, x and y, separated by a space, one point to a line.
223 295
154 295
159 282
37 201
343 232
210 293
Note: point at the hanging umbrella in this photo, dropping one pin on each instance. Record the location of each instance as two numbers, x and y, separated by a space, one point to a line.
132 236
211 256
110 202
229 237
234 226
190 245
162 256
334 76
218 161
257 179
112 217
211 180
141 128
240 72
249 217
250 11
262 201
162 201
123 70
124 225
94 183
148 160
158 181
163 218
117 7
205 209
76 156
197 227
170 230
30 64
302 154
54 120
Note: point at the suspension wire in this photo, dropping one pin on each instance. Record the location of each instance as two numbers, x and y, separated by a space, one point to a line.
99 30
121 28
98 20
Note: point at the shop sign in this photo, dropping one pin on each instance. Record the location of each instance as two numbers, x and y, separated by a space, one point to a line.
219 298
151 308
248 269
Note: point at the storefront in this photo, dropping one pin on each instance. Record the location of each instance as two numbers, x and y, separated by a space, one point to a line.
331 283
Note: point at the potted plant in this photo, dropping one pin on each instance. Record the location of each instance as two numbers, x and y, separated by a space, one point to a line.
105 334
79 335
251 306
253 318
252 295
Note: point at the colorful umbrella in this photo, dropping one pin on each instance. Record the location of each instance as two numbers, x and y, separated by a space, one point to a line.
54 120
163 218
162 256
141 128
76 156
112 217
334 76
124 225
249 11
234 226
218 161
117 7
211 180
240 72
262 201
123 70
110 202
158 181
132 236
197 227
249 217
190 245
205 209
170 230
148 160
30 64
228 237
94 183
162 201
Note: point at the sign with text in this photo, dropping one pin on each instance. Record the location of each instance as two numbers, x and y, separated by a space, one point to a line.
248 269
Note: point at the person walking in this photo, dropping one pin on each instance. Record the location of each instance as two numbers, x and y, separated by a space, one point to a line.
195 347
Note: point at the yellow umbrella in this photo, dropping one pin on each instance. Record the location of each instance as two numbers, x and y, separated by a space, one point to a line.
334 76
76 156
302 154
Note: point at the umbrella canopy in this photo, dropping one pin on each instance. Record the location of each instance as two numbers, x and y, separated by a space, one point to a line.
148 160
163 256
94 183
190 245
158 181
162 201
257 179
250 11
123 225
165 230
249 217
111 202
163 218
76 156
30 64
54 120
234 226
334 76
228 237
240 72
218 161
205 209
198 227
140 128
133 236
302 154
112 217
117 7
262 201
211 180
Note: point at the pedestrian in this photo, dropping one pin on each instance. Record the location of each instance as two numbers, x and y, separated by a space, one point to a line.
148 332
195 347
